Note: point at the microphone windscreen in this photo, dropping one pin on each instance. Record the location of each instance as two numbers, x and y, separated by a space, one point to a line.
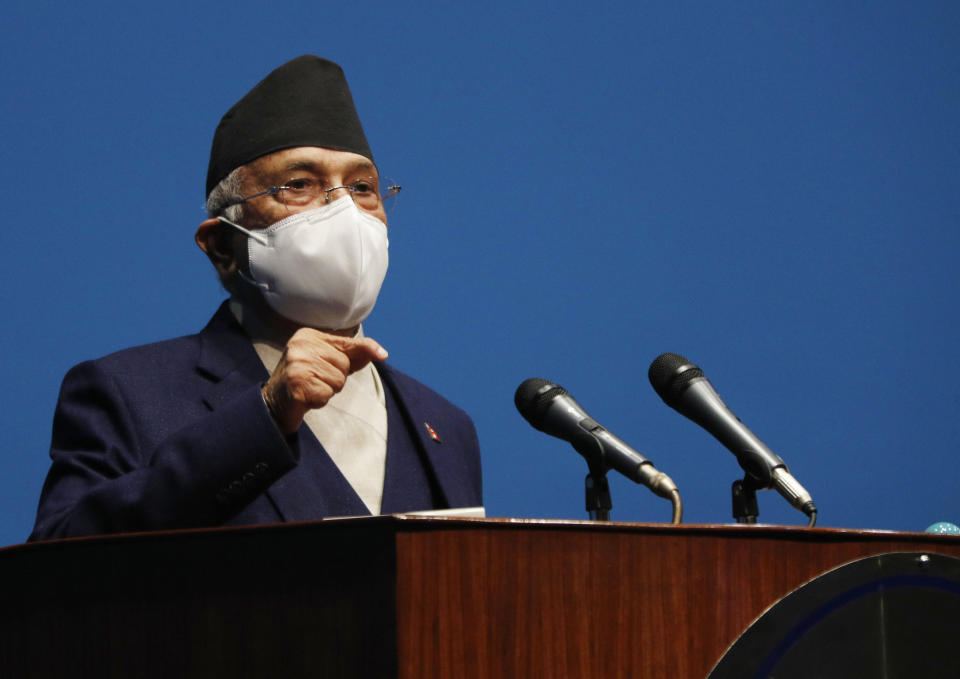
670 374
533 398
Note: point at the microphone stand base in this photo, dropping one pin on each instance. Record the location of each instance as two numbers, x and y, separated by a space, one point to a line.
598 499
745 509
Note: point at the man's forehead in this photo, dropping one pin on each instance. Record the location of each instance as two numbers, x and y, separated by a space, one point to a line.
312 158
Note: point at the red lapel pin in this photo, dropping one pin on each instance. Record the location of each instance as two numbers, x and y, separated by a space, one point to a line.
432 433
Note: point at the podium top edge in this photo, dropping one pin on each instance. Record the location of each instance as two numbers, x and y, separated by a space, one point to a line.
401 523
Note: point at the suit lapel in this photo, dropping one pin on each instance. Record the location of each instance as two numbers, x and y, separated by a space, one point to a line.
315 487
228 358
422 417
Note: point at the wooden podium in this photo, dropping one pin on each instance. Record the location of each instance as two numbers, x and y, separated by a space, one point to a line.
398 596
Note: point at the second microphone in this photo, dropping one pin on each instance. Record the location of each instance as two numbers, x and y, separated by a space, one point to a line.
549 408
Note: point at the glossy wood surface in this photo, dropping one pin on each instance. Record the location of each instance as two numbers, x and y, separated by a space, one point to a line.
542 599
409 597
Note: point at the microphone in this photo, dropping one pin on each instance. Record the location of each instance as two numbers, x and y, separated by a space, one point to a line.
549 408
683 387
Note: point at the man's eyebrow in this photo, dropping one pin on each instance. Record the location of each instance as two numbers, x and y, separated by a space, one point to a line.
300 165
319 167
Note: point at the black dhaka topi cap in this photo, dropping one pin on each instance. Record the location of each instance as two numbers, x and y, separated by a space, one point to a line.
305 102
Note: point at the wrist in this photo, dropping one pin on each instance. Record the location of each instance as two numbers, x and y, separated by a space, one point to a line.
277 413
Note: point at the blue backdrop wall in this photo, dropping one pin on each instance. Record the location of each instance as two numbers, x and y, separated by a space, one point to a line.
770 189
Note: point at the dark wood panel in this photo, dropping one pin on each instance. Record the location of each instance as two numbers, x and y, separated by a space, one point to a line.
284 601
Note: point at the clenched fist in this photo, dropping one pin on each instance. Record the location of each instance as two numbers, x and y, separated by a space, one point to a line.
314 366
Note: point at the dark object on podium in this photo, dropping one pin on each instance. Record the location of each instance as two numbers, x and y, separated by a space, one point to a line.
412 597
892 615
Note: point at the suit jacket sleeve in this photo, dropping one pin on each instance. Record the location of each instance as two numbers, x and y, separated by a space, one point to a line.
104 478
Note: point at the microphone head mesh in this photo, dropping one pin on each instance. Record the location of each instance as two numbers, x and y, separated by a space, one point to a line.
670 374
533 397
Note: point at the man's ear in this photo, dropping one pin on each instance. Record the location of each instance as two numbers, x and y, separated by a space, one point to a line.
216 240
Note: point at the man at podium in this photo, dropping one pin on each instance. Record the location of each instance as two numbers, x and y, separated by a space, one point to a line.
280 409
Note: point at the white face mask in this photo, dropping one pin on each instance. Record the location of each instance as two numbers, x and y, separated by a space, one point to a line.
323 267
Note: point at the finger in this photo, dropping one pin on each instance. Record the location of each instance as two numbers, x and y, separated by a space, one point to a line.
316 392
314 349
345 344
329 356
360 350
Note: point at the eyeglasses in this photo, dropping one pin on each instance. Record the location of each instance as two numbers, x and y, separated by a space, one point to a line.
303 191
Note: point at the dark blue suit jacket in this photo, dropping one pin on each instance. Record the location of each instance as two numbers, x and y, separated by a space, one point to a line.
176 434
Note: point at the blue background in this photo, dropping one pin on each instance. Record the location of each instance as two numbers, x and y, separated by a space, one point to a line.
770 189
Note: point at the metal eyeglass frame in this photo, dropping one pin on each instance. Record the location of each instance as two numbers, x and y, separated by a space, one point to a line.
392 190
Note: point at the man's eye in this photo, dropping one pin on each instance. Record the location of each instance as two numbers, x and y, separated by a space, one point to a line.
364 186
299 184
